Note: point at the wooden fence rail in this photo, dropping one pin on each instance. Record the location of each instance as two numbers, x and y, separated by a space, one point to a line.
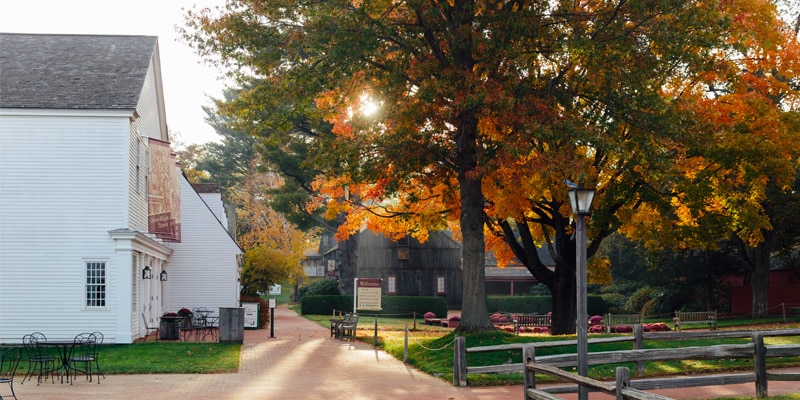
639 356
755 350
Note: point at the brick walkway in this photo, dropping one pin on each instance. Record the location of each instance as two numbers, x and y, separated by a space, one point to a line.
303 362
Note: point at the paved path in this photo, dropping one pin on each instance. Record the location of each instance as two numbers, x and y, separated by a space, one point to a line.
303 362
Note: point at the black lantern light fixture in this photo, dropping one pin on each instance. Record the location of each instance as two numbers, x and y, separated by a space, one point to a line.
163 276
147 273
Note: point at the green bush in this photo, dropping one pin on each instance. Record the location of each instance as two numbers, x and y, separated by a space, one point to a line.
616 302
520 304
538 304
638 299
323 287
399 306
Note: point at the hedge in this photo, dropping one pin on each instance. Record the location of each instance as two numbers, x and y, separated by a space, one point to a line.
538 304
395 306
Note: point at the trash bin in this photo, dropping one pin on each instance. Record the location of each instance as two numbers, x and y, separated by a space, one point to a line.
231 324
170 327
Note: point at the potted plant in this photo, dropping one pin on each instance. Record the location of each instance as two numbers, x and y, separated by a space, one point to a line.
188 317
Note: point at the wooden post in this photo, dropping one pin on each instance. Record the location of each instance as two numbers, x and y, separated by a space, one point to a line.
375 341
638 344
415 321
460 362
529 376
405 346
783 309
760 361
456 355
623 381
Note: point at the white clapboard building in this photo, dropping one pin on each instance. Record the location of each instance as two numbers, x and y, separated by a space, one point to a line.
99 229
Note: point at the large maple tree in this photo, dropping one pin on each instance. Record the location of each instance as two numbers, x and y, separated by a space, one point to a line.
482 110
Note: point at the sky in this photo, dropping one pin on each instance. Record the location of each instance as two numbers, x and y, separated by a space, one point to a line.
188 81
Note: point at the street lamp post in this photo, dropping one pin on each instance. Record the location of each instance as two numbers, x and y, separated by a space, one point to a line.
581 201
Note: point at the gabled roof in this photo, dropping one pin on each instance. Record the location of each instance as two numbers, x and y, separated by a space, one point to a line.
73 71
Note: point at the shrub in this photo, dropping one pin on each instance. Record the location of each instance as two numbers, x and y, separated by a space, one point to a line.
184 312
324 287
392 305
538 304
639 298
455 318
429 315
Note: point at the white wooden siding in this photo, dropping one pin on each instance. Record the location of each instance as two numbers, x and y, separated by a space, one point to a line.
215 204
203 270
62 188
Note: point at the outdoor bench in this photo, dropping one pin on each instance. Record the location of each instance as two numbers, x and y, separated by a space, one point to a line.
696 317
346 329
336 324
612 320
522 320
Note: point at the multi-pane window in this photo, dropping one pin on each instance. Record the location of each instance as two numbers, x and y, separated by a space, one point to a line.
440 289
391 285
95 284
402 248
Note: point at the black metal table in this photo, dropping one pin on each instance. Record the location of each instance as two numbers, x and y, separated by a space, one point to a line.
63 348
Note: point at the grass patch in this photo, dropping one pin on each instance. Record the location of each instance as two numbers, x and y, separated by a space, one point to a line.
167 358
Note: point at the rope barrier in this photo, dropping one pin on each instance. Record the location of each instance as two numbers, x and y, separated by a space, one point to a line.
420 344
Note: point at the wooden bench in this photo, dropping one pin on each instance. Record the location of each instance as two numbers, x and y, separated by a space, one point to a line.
531 321
612 320
337 323
346 329
696 317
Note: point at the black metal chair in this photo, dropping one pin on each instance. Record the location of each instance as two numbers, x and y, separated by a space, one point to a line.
148 329
38 359
9 361
82 356
100 338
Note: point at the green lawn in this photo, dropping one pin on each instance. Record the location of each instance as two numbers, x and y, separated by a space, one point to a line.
166 358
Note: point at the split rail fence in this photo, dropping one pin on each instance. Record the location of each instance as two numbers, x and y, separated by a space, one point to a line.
551 365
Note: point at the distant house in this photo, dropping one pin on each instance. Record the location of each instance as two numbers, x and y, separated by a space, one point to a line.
513 279
407 267
98 226
784 292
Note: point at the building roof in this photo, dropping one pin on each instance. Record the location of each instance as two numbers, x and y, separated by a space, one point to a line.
73 71
206 187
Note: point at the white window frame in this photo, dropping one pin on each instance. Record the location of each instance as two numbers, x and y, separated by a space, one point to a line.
95 289
441 288
391 284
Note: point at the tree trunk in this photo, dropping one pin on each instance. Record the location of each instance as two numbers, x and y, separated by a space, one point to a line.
474 313
759 263
564 299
